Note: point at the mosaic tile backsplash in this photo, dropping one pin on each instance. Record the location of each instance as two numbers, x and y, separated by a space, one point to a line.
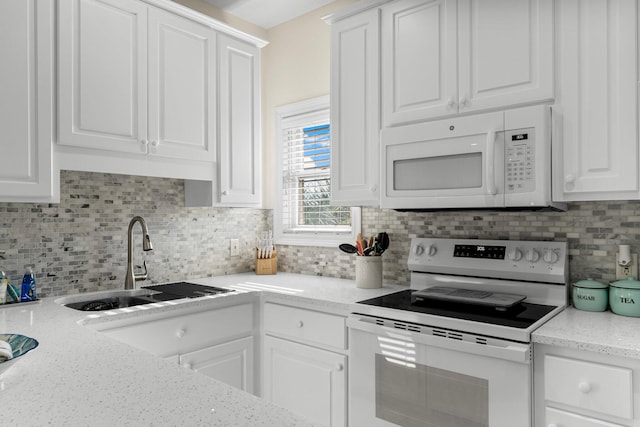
80 245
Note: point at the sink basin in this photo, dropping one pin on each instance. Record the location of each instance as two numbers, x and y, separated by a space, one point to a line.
111 300
108 303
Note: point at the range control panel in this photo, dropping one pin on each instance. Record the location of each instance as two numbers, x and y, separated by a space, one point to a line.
505 259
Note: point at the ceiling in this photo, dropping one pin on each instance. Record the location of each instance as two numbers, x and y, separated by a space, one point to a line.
268 13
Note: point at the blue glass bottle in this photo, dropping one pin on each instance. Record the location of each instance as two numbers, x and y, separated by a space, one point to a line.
28 288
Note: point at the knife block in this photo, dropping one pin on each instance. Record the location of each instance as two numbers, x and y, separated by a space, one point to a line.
267 265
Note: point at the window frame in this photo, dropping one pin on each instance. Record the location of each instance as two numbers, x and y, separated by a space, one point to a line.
320 108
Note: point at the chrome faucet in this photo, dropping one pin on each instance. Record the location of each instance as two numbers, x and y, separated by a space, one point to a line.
130 279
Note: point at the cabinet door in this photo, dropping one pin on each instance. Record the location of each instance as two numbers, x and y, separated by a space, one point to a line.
355 110
419 60
102 74
182 77
597 112
506 53
240 161
26 49
306 380
231 363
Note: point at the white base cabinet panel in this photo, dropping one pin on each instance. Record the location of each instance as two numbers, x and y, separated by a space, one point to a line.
581 388
218 343
26 101
306 380
232 363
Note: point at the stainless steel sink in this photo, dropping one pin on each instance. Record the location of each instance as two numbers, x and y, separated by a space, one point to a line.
111 300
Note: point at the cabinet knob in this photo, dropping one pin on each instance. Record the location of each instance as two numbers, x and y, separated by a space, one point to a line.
339 367
300 324
553 425
464 102
374 188
180 333
155 143
187 365
584 387
451 103
224 192
143 145
570 179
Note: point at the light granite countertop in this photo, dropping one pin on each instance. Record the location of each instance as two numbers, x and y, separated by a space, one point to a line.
78 376
602 332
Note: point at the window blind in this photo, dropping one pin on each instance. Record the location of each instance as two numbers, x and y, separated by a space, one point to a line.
306 177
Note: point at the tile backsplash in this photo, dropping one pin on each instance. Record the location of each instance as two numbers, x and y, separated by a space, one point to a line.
80 245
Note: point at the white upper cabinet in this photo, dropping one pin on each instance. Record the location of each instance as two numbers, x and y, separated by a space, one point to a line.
26 101
355 110
239 144
447 57
103 75
136 79
182 87
596 115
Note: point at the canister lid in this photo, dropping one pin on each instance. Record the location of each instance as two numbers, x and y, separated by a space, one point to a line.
591 284
628 283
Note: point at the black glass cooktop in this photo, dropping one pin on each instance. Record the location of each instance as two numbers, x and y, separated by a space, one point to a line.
521 315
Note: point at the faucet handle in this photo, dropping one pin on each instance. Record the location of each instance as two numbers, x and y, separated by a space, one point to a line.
144 275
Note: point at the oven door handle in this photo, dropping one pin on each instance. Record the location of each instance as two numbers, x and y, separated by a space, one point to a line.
488 347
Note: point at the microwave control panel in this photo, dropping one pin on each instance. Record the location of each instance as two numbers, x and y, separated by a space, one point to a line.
520 160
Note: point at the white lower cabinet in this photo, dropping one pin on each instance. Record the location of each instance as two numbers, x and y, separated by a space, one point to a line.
580 388
305 363
231 363
218 342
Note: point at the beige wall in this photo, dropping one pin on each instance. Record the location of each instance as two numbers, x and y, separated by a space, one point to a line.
295 67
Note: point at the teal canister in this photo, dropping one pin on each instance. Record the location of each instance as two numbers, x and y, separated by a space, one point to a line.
590 295
624 297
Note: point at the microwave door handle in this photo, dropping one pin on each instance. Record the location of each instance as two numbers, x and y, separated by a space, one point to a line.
490 169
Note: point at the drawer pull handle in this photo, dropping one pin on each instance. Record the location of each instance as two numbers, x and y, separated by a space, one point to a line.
339 367
180 333
584 387
300 323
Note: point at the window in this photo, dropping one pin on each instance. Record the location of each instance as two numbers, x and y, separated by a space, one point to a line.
303 214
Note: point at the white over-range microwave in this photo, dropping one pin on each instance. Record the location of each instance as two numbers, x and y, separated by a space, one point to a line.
494 160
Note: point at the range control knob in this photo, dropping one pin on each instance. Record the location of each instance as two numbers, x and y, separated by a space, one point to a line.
514 254
532 255
432 250
550 257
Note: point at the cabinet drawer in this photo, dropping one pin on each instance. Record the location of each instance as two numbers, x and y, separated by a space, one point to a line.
308 325
555 417
592 386
185 333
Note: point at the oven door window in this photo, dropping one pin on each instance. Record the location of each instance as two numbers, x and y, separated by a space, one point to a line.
415 395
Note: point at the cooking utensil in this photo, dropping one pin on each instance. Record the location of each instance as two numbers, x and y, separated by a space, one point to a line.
590 295
382 243
360 248
624 297
348 248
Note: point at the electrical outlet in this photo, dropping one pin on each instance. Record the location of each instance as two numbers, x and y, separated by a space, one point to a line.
234 247
630 270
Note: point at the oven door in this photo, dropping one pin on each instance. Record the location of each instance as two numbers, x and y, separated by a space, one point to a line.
453 163
418 376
